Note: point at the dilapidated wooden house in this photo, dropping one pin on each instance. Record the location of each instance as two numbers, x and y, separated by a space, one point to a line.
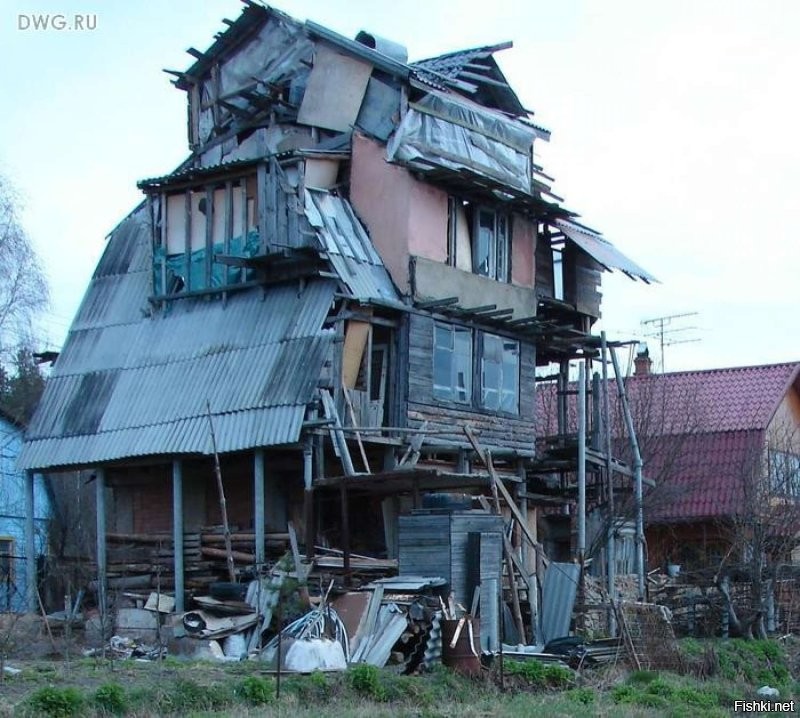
359 258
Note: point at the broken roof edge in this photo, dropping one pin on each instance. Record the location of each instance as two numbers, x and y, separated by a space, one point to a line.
254 16
488 49
603 251
359 50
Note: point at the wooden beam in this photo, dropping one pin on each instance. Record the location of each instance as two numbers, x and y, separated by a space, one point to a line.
498 482
30 543
177 532
259 513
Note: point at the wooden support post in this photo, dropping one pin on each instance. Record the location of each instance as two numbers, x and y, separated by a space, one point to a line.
177 532
498 484
345 534
223 505
30 543
259 518
308 497
102 562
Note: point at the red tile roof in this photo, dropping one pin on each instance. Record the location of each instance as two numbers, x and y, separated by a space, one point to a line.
714 400
699 432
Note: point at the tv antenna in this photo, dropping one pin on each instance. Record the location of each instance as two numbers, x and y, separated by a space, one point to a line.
662 328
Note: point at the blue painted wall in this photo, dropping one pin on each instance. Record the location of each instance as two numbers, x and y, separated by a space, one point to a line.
13 586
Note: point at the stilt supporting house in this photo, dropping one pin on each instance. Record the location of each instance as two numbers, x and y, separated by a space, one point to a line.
177 532
30 543
259 516
100 528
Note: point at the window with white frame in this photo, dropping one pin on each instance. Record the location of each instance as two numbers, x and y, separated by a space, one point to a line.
452 363
499 373
496 357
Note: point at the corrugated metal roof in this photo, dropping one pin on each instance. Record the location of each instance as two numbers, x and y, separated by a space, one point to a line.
132 381
349 248
603 251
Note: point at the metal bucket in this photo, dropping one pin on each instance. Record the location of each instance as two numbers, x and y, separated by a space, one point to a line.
463 657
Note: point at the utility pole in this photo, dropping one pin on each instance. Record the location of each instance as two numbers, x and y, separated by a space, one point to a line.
662 329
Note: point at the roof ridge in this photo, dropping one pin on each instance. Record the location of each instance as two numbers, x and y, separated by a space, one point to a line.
717 370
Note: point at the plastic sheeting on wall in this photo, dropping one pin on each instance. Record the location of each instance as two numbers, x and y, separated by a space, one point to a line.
439 132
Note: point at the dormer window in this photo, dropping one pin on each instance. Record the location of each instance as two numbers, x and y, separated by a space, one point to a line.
479 239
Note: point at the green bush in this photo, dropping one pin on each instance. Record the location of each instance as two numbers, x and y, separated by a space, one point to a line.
366 680
186 696
56 702
624 693
257 691
110 699
540 675
697 697
581 695
641 678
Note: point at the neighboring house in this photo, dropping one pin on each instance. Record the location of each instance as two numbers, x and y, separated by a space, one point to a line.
353 240
13 550
723 446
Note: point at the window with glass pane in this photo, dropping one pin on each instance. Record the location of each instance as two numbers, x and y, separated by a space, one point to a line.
452 363
491 244
500 374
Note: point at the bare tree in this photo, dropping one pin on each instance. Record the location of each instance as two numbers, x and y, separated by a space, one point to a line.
23 286
765 532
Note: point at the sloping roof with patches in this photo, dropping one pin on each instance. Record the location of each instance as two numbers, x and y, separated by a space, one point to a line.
135 381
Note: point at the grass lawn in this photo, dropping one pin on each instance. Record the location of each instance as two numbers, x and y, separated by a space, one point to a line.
97 687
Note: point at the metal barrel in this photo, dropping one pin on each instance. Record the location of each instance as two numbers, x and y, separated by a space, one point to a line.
463 658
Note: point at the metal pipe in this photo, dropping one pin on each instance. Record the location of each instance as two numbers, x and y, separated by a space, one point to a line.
637 476
581 462
30 544
611 555
177 532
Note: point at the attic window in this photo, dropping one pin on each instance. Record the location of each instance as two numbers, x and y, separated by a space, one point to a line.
196 225
479 239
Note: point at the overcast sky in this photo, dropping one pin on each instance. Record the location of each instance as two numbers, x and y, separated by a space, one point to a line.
675 133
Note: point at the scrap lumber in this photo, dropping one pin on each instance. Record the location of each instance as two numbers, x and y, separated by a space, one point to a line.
355 427
222 503
497 482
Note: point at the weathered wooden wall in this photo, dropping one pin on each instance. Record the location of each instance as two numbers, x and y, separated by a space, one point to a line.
496 429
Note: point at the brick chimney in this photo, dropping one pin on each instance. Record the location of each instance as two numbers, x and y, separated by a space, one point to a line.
643 363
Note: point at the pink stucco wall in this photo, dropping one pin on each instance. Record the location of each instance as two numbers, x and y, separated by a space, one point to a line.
403 215
380 195
427 222
407 217
523 248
